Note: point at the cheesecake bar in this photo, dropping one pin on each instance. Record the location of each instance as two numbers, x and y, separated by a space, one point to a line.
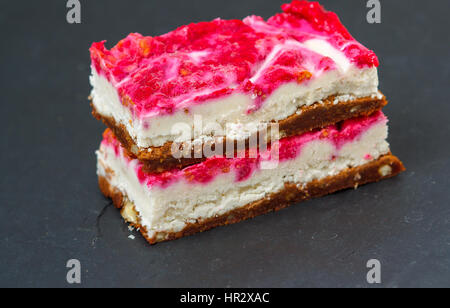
220 190
300 68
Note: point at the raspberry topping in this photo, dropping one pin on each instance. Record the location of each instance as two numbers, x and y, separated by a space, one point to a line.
203 61
243 168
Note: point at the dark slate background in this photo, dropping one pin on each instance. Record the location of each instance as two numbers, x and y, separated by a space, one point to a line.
51 209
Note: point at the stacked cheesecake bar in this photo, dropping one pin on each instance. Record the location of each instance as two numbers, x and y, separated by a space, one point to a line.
178 106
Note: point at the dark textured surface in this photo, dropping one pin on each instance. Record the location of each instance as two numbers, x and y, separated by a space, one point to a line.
51 209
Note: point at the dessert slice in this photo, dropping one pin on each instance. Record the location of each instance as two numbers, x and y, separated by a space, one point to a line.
300 68
220 191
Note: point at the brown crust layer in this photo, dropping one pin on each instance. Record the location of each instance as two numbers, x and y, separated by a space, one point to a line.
318 115
382 168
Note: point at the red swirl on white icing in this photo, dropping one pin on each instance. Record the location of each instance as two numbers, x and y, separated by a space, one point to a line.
198 62
242 168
